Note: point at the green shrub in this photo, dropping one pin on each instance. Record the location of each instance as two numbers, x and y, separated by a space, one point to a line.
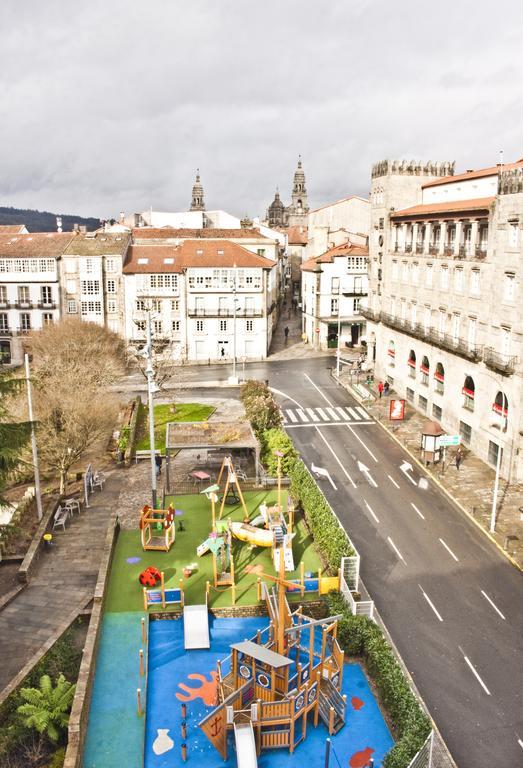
278 440
360 636
57 759
260 407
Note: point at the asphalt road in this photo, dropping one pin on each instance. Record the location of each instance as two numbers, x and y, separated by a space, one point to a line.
451 602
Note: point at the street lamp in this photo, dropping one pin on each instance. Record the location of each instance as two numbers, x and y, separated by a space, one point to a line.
504 416
234 379
338 351
151 389
33 439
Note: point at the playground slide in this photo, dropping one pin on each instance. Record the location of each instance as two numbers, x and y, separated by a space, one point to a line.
196 626
260 537
245 745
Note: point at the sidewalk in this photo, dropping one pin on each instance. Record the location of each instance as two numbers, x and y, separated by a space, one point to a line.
65 576
293 348
471 487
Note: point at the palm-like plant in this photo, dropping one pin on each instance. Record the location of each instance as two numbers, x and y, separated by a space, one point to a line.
47 707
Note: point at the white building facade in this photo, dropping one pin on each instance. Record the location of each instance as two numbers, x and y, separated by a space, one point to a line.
445 309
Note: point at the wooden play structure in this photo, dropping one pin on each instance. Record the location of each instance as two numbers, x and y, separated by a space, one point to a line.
220 544
232 493
269 685
157 528
163 596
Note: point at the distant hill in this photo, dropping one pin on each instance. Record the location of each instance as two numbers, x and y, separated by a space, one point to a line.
44 221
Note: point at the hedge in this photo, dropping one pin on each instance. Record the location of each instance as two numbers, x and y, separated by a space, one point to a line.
359 636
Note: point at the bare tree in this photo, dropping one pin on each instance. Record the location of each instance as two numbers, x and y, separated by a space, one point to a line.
167 362
74 363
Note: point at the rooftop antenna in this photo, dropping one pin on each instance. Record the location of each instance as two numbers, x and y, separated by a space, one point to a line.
58 223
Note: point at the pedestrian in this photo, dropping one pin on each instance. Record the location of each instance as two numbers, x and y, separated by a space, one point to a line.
295 305
222 351
459 457
286 332
158 462
386 388
380 389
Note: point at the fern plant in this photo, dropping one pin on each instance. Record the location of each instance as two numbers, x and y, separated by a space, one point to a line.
46 708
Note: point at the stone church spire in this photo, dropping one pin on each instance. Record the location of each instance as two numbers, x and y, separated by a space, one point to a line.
197 203
299 190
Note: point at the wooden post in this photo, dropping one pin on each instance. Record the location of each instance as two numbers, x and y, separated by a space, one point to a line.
142 671
184 751
144 634
299 668
184 729
291 735
235 668
331 721
273 680
214 498
281 605
139 701
233 590
184 711
341 669
311 647
317 704
145 603
258 589
232 571
258 729
207 587
302 573
258 637
339 579
182 595
162 587
291 519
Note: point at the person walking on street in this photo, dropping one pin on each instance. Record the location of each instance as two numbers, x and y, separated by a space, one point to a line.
459 457
380 389
158 462
386 388
286 332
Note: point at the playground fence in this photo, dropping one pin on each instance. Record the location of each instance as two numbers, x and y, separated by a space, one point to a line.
424 757
357 607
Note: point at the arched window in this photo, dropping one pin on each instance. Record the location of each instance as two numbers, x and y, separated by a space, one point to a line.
468 393
391 352
424 369
439 378
500 408
411 362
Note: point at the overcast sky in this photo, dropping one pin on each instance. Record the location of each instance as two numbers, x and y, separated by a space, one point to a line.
110 105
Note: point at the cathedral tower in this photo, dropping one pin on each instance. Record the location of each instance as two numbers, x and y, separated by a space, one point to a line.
197 203
299 207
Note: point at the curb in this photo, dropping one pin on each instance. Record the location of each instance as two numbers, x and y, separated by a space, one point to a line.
442 488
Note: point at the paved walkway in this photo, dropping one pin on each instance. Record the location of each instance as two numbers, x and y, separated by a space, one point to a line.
293 348
472 486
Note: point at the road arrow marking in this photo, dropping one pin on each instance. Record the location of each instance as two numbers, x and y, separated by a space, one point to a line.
405 468
321 472
349 478
367 474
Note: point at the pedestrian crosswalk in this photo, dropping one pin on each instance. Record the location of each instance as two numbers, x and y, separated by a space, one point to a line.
325 415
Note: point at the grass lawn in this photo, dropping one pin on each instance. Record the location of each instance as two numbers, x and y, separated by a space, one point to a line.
125 592
162 416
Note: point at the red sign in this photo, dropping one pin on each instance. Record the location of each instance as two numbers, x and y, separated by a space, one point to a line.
397 410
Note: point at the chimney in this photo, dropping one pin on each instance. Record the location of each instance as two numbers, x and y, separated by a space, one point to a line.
122 217
83 229
58 223
75 227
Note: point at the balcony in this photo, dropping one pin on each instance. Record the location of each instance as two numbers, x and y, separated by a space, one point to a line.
23 331
369 314
480 251
408 248
434 249
46 305
354 291
503 364
419 247
6 332
24 304
455 344
448 250
220 312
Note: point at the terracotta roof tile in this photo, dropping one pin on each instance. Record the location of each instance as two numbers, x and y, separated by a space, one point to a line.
98 244
491 171
11 229
170 233
346 249
38 244
297 235
191 253
450 206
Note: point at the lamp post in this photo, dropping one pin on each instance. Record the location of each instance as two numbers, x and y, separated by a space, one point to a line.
234 379
33 439
504 416
151 389
338 351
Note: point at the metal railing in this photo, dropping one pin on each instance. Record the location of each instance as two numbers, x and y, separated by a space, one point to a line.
499 362
221 312
369 314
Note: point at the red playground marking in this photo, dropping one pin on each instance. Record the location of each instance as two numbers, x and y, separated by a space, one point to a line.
357 703
360 759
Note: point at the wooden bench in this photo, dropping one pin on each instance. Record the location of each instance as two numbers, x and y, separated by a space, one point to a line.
145 454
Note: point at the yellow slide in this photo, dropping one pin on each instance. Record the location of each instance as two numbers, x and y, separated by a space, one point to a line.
260 537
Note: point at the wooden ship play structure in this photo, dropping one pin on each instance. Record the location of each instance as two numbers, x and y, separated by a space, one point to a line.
270 686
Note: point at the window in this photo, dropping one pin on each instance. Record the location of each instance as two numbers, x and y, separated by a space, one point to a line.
47 318
410 395
3 322
175 326
70 286
442 319
71 307
111 286
90 287
91 308
500 408
140 305
391 352
249 325
415 273
175 305
439 379
505 342
393 306
465 432
513 234
46 294
472 332
157 327
509 286
260 251
458 279
468 393
437 411
405 271
456 326
335 285
411 363
422 403
444 277
424 369
357 263
199 326
426 318
3 294
223 325
493 453
140 324
25 321
110 265
23 294
88 266
428 275
171 281
414 314
356 306
394 270
474 282
334 306
112 306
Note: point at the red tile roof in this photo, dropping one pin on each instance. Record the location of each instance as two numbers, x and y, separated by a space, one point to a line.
38 244
451 206
297 235
491 171
170 233
11 229
346 249
192 253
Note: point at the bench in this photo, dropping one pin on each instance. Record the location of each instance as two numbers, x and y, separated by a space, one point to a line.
145 454
61 516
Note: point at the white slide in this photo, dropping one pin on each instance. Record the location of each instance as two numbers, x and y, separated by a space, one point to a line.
245 746
196 626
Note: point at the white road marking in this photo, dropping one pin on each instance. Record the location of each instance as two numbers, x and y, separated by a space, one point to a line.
331 424
332 413
363 444
492 604
349 478
520 743
475 672
291 416
302 415
323 414
362 411
449 550
319 390
396 550
312 414
372 513
405 468
321 472
414 507
393 481
365 471
354 414
341 411
429 601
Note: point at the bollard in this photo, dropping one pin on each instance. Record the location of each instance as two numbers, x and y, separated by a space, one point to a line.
141 663
184 711
144 635
184 729
139 698
184 751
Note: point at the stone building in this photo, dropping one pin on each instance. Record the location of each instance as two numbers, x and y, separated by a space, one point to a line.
444 312
295 214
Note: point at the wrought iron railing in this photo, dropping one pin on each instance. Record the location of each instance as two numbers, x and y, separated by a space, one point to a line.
503 363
